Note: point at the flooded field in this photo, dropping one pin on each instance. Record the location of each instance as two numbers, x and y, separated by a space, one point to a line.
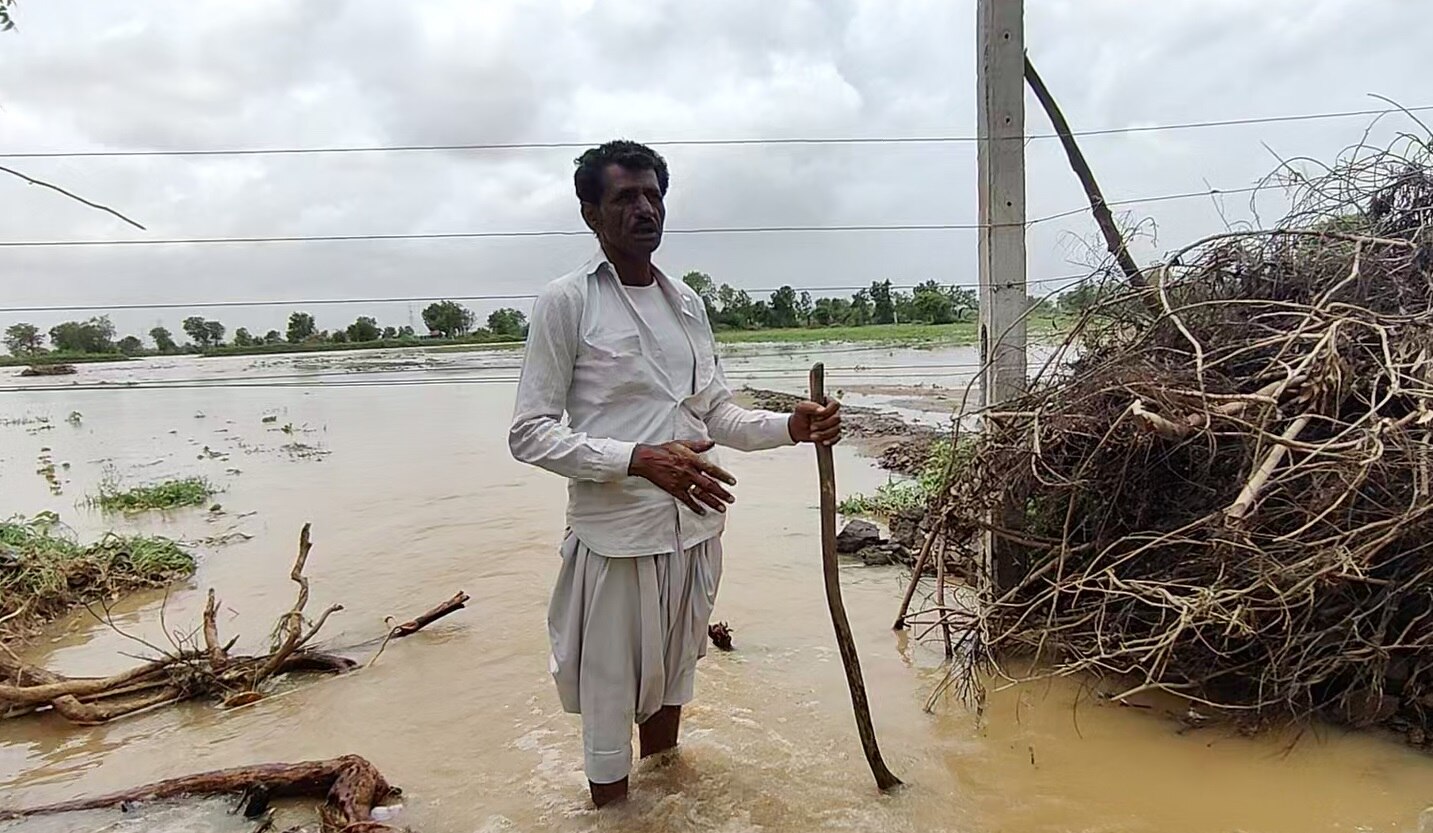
399 460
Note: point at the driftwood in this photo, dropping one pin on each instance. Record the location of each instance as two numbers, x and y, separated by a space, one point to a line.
412 626
350 786
191 671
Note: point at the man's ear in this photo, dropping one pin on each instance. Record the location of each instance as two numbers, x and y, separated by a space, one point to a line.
592 216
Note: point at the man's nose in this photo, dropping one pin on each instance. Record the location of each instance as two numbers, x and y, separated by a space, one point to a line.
645 208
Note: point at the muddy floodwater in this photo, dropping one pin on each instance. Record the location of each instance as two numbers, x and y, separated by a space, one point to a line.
399 460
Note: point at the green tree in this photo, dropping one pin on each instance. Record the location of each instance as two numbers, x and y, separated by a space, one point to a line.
932 304
364 329
904 305
197 329
825 312
273 337
194 327
215 331
93 336
803 309
883 308
448 318
783 308
24 339
734 309
242 338
337 337
130 346
301 327
860 312
507 323
406 331
966 301
163 341
390 333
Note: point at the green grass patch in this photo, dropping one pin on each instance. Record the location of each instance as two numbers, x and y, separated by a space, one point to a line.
961 333
43 359
905 494
168 494
44 572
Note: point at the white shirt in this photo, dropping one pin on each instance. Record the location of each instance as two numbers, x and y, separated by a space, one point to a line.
670 346
590 356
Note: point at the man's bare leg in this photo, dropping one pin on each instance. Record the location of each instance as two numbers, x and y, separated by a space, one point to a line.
604 794
659 732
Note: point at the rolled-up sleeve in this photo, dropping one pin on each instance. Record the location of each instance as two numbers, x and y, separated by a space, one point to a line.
538 435
744 429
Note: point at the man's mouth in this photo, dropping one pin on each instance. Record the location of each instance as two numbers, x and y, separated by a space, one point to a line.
645 229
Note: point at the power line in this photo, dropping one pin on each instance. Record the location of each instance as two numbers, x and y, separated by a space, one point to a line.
798 141
471 235
474 235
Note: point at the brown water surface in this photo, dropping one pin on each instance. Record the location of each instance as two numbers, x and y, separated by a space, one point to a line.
413 496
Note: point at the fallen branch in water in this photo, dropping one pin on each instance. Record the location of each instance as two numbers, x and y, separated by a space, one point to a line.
412 626
191 671
350 786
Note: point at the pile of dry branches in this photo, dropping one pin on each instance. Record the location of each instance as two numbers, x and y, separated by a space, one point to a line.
1226 495
192 669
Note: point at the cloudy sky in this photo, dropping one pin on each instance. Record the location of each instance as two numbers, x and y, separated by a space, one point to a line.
193 74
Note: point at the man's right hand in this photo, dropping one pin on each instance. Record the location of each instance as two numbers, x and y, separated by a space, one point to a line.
677 469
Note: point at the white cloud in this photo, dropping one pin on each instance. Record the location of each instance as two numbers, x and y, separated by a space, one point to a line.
204 74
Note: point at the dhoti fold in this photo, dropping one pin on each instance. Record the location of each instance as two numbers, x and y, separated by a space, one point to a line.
626 635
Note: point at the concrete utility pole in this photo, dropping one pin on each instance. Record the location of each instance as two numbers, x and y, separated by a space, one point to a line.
1000 161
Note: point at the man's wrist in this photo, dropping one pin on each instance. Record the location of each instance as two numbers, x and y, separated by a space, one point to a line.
638 460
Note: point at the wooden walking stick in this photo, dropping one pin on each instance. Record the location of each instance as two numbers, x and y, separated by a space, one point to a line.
827 470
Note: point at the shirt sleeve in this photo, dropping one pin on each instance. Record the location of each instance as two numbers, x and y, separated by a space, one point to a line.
744 429
538 435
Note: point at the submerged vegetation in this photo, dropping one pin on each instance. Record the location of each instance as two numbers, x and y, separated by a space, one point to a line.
44 572
168 494
908 494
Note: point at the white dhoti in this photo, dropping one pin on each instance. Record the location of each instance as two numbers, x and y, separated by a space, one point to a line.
626 635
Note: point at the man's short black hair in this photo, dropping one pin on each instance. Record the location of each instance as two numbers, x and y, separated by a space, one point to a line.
633 156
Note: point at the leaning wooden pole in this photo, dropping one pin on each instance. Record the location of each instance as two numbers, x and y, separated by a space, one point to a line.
830 571
1114 241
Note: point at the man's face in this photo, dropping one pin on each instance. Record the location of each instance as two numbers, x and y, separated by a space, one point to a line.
629 218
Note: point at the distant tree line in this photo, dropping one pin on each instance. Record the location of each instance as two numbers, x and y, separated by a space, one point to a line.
444 319
929 303
727 308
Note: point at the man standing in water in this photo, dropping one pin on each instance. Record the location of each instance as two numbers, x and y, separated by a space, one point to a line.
628 355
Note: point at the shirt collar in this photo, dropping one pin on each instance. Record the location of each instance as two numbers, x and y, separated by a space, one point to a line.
599 266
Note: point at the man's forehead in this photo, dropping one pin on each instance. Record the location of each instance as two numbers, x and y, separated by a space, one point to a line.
619 177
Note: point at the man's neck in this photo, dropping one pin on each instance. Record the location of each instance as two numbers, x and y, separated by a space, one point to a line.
632 270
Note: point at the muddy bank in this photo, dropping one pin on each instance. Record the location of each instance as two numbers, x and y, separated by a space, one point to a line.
895 443
898 446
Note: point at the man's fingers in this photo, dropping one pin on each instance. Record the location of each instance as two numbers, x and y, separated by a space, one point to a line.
830 423
699 446
716 471
711 500
708 485
689 498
